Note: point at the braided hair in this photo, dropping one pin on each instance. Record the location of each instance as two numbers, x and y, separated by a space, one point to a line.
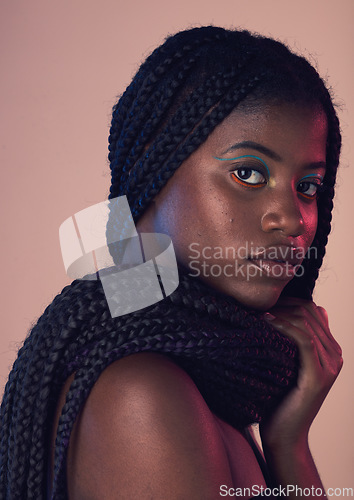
183 90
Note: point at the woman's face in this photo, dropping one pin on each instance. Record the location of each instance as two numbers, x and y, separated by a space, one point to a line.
242 210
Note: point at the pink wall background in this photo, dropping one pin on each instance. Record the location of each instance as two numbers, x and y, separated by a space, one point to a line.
62 65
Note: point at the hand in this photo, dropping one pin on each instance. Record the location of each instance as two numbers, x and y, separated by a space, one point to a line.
320 364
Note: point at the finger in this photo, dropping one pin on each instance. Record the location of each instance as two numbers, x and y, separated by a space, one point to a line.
301 319
304 330
298 307
322 311
309 305
308 350
318 312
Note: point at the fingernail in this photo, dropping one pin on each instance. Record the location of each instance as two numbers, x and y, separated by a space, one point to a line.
268 317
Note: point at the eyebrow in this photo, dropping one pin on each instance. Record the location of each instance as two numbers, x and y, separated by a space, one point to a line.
268 152
254 145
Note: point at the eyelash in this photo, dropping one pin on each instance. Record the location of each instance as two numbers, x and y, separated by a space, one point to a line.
245 183
315 184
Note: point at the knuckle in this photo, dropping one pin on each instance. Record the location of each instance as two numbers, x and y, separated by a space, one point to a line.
334 369
301 310
306 325
322 309
303 315
307 343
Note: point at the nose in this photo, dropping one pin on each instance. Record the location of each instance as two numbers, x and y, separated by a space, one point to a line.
284 214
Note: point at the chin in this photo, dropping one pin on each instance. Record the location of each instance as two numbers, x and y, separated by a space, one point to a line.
262 303
260 296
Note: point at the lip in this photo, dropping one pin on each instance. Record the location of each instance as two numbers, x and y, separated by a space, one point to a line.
277 261
275 269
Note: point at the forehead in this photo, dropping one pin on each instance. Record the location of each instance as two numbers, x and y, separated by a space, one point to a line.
284 128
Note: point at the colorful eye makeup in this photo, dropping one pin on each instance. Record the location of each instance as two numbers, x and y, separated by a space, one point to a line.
245 156
309 185
251 175
248 175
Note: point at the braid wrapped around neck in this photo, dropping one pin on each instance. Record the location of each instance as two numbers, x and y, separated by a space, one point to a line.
240 364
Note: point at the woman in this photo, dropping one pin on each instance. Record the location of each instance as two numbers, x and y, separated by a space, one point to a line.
228 143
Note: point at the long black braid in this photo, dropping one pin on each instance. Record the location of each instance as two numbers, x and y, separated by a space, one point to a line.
181 92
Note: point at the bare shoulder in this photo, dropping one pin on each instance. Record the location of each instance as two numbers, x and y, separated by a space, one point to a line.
146 432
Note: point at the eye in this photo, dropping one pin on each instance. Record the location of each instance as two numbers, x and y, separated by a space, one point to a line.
248 176
309 188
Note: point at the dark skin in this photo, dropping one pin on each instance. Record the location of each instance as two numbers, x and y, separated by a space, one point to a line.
145 430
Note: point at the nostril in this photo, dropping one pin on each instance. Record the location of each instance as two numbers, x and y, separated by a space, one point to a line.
288 221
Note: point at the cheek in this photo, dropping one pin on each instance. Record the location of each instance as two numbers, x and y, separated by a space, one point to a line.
310 220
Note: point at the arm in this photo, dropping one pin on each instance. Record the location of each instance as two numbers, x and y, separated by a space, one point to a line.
285 434
145 432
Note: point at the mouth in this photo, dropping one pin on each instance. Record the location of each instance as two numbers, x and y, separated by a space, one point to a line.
275 268
279 262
